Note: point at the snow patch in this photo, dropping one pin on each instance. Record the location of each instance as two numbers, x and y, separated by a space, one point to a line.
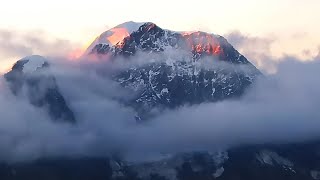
315 174
213 91
130 27
272 158
219 157
164 91
218 172
34 62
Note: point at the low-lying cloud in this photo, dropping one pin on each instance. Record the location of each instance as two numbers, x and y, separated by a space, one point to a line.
278 108
281 107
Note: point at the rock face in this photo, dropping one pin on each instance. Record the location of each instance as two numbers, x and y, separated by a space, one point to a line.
203 67
32 75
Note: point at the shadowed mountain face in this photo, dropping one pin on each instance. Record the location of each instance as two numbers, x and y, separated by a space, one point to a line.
32 75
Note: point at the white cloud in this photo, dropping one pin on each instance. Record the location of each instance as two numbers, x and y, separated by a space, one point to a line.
282 107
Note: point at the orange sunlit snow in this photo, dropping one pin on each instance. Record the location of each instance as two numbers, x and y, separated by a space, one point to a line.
118 35
202 42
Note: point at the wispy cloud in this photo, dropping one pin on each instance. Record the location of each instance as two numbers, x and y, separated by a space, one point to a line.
259 50
15 45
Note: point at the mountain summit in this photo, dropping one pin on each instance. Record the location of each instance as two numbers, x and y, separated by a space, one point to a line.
165 70
179 67
129 37
115 35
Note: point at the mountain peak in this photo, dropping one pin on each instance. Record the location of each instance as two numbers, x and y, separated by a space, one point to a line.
41 88
33 63
131 26
130 37
30 64
171 82
116 34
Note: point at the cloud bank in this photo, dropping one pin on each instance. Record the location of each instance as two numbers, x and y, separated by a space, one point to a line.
282 107
278 108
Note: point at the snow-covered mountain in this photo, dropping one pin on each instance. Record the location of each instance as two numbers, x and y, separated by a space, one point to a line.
32 74
115 34
179 68
174 69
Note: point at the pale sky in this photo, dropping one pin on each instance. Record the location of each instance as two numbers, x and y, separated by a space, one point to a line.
294 23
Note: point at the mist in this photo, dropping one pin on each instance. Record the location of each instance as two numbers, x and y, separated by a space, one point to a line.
281 107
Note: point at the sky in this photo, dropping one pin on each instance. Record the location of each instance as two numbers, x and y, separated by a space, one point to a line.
291 25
